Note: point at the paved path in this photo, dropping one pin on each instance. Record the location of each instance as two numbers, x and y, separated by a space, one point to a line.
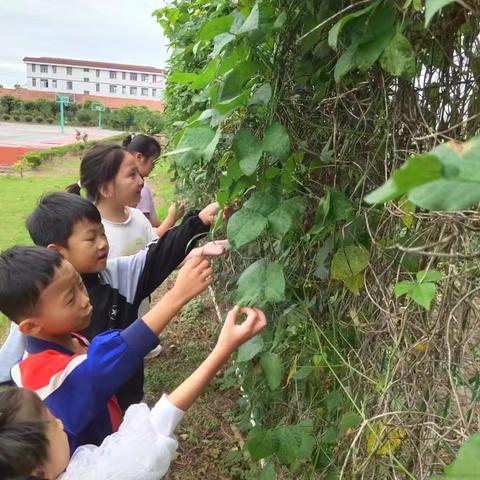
44 136
19 138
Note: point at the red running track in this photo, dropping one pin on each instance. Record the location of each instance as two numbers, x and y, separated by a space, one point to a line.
9 155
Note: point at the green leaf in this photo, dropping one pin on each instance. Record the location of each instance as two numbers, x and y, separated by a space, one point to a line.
260 284
268 472
272 368
349 420
262 95
335 31
368 53
446 195
403 287
321 270
262 202
429 276
210 149
251 22
432 7
280 222
399 58
261 443
421 293
348 265
248 151
292 440
303 372
467 463
215 27
280 20
196 140
220 41
276 141
235 80
345 63
245 226
416 171
250 349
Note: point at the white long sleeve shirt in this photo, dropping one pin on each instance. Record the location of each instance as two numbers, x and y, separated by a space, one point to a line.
142 449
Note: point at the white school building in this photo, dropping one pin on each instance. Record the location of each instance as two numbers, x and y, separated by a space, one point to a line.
64 75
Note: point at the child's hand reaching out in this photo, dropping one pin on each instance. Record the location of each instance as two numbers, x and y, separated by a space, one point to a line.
233 334
193 278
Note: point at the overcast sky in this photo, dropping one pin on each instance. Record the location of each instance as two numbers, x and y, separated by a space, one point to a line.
121 31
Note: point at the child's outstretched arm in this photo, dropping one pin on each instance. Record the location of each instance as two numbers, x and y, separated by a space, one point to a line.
231 337
192 279
176 211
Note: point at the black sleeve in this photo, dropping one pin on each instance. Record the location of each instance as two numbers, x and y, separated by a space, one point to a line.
165 254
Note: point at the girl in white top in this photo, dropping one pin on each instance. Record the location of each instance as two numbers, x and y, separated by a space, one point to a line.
33 442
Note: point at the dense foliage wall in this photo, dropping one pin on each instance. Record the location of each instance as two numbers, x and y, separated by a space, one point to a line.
292 111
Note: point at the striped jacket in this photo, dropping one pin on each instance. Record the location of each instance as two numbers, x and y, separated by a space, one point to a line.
79 388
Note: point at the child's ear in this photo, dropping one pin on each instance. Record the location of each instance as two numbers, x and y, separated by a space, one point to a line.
29 326
106 190
57 248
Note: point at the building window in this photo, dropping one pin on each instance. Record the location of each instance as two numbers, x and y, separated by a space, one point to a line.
69 70
113 89
54 84
133 76
43 83
133 90
34 82
86 69
69 85
160 82
145 92
97 87
124 75
54 69
113 75
43 68
33 67
97 73
154 92
86 79
86 92
154 78
124 90
144 78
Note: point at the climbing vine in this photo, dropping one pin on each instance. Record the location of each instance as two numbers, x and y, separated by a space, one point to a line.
319 122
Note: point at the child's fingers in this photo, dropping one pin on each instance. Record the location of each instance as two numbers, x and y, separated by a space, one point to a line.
205 274
232 315
194 262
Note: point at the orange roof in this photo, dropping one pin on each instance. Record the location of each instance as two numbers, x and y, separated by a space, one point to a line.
92 64
110 102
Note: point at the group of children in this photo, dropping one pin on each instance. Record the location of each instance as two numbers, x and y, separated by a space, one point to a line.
82 324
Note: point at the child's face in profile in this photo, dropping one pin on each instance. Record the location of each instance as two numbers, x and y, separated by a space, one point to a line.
125 188
87 247
58 449
63 306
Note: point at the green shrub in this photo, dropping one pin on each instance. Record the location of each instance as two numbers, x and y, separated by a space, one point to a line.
50 120
85 117
6 117
17 118
28 118
39 119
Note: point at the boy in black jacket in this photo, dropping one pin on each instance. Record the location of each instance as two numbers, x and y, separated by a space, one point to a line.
72 226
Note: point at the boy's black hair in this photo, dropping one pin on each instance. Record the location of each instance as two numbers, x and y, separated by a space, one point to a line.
24 273
56 215
23 438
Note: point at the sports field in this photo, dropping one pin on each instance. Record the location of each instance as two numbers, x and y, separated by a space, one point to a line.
19 138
